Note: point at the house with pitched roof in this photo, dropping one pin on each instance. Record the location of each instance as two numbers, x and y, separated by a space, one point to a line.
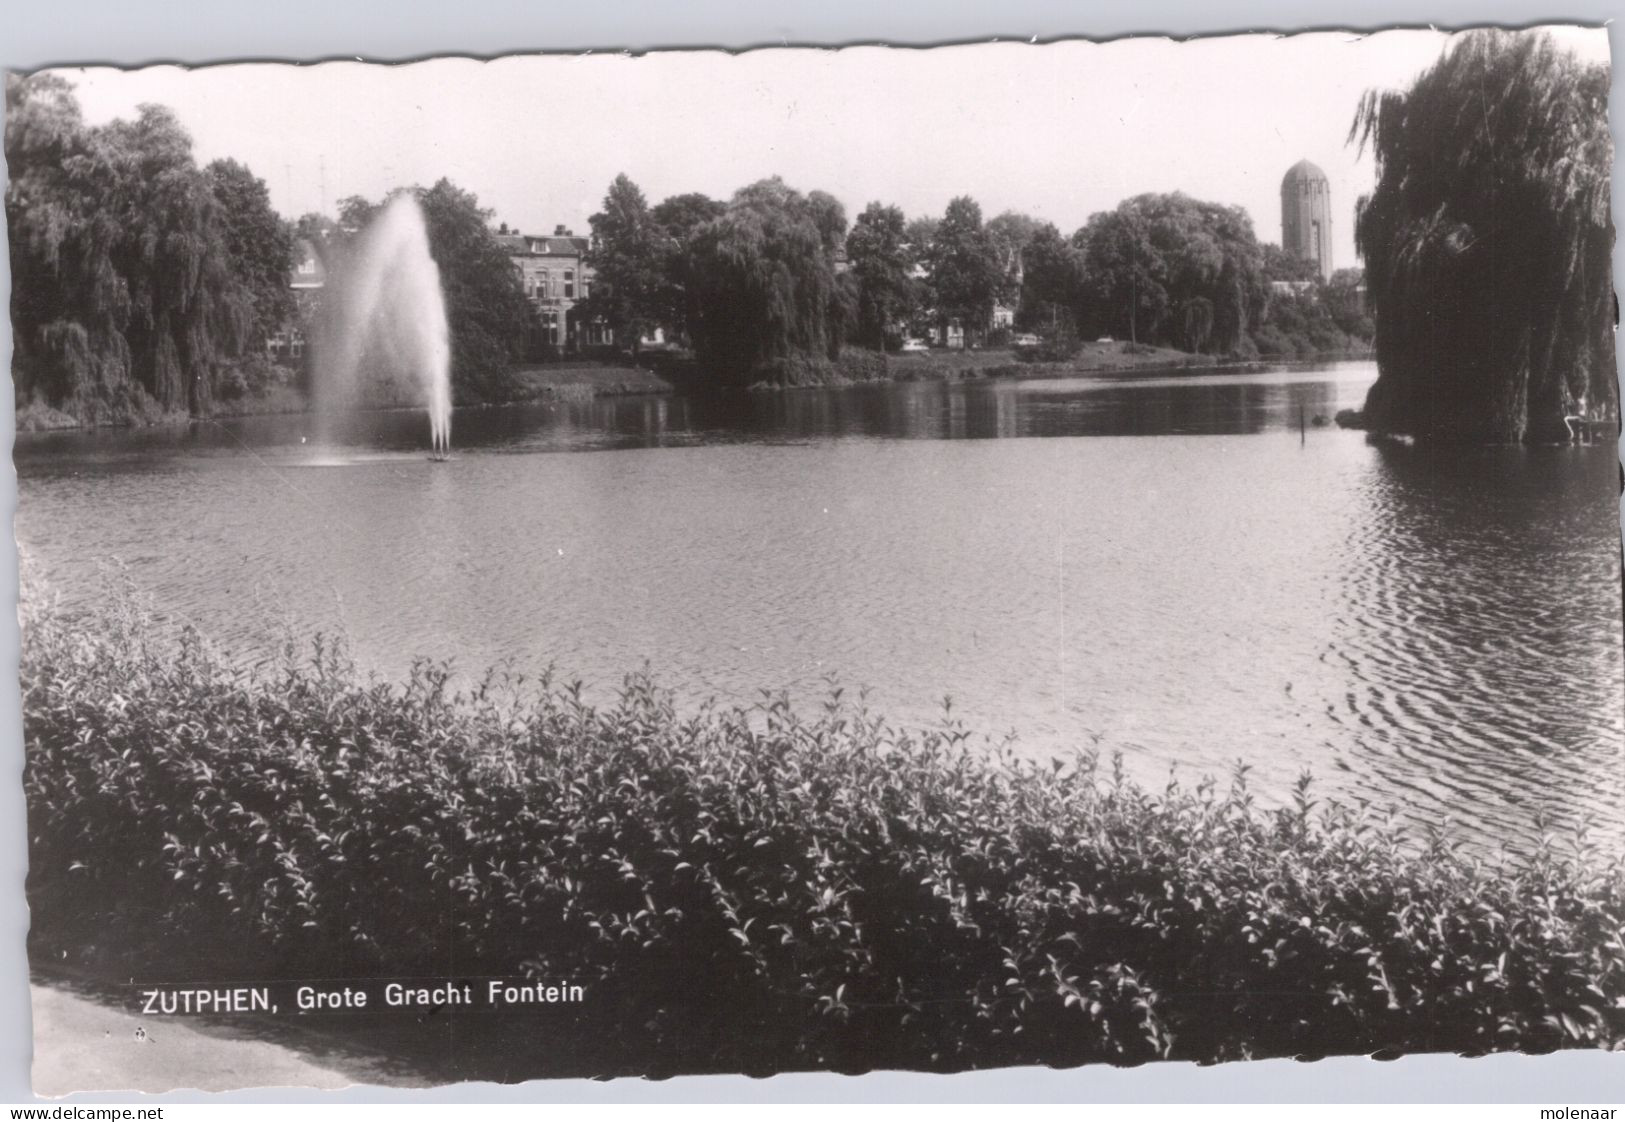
556 277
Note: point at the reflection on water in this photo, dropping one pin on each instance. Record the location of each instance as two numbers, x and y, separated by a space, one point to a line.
1117 406
1222 580
1479 630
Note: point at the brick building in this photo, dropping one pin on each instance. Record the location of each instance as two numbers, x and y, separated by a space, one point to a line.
556 277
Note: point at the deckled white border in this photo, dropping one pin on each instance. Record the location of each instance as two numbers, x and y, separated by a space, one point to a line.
41 33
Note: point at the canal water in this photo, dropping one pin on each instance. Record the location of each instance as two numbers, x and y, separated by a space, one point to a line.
1186 569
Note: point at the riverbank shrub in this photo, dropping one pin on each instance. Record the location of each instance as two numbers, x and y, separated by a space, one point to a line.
756 889
852 365
36 416
1301 326
254 377
1060 345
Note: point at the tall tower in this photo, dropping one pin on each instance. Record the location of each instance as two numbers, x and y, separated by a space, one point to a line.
1306 216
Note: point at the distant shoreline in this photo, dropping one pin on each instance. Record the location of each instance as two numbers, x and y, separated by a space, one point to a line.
580 383
1005 366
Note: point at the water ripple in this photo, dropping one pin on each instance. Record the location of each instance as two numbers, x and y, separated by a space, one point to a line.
1438 632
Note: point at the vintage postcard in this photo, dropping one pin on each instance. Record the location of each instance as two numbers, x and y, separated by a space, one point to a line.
819 560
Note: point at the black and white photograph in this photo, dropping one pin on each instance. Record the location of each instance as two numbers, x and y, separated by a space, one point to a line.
688 562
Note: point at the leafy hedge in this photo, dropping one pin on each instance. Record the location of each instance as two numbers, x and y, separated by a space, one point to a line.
749 889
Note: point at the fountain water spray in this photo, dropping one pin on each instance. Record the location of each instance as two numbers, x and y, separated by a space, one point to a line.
390 323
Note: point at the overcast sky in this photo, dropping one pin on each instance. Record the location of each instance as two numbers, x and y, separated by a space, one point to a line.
1058 130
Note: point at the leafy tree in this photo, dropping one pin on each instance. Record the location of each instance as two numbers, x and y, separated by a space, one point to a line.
966 272
1237 289
68 306
763 276
356 212
126 299
920 234
1300 325
1010 233
878 251
1488 241
258 243
1346 304
919 238
1279 265
314 227
1127 274
628 257
1053 280
1313 317
830 217
1174 270
680 218
485 302
1194 326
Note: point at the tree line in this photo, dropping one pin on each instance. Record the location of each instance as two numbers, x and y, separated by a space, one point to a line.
139 279
146 285
774 273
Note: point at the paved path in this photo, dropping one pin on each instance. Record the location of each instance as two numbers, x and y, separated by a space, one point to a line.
88 1042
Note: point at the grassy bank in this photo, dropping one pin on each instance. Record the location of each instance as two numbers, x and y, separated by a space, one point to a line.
1091 358
584 380
759 890
576 380
856 365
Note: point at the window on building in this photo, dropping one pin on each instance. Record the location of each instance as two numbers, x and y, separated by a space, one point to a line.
550 327
569 284
307 267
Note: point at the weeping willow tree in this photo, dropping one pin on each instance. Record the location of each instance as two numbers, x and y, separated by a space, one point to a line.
765 283
1487 244
1173 270
125 299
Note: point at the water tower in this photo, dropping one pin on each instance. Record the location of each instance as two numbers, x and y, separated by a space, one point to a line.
1306 216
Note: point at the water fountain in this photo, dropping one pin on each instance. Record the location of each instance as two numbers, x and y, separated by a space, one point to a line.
390 317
